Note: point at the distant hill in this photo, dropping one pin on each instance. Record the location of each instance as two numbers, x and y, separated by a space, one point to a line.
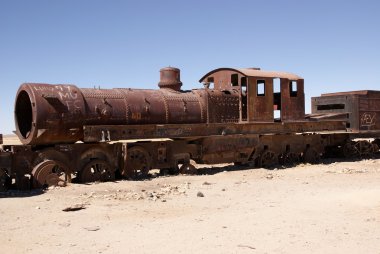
11 139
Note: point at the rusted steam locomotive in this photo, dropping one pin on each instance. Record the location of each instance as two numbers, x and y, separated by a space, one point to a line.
241 116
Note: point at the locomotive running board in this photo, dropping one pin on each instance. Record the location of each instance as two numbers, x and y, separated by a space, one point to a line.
105 133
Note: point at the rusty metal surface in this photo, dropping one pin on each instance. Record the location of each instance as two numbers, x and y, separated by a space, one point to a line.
361 109
292 105
101 161
223 79
264 150
33 167
359 92
47 114
259 104
254 72
223 106
170 78
96 133
230 122
324 116
260 107
369 113
50 114
226 149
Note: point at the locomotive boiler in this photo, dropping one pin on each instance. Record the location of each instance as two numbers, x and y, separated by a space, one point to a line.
47 114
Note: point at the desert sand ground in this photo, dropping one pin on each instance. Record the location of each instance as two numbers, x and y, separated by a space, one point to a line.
328 208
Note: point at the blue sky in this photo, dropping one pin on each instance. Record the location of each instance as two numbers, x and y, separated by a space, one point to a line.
334 45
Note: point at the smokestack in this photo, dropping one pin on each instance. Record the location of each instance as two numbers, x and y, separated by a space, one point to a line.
170 78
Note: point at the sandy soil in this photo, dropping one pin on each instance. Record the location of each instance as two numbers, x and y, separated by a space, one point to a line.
329 208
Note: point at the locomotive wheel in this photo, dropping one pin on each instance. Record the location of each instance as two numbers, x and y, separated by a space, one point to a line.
50 173
50 154
267 159
311 156
350 150
188 169
375 147
376 142
97 170
362 148
288 158
138 162
366 149
50 169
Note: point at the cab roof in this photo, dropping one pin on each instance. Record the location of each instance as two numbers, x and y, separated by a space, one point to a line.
255 72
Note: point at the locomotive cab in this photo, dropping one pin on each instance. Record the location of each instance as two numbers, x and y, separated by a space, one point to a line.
263 95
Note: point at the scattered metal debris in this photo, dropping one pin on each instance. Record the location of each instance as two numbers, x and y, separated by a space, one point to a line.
74 208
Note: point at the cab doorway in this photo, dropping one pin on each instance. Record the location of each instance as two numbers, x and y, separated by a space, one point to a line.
277 99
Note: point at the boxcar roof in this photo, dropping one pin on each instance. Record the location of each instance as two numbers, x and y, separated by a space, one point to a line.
360 92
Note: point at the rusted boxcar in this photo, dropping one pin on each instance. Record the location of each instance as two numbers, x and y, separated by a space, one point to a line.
361 109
